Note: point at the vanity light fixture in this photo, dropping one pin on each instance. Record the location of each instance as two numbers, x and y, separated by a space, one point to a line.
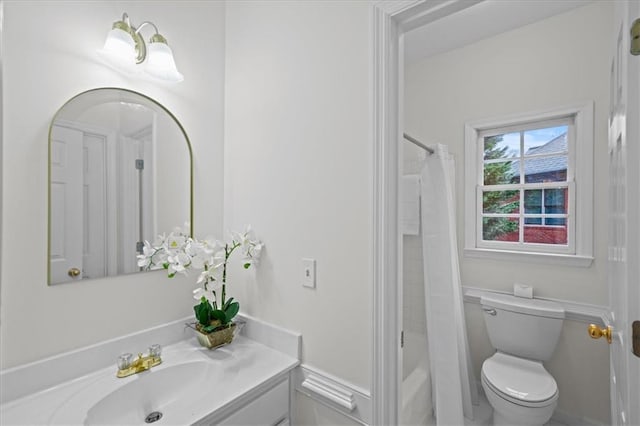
126 50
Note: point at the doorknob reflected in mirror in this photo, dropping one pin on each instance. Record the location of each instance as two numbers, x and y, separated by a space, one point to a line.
596 332
74 272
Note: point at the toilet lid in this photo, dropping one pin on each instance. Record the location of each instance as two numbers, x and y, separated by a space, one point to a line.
521 379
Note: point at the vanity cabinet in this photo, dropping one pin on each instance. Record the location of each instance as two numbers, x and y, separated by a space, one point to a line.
269 408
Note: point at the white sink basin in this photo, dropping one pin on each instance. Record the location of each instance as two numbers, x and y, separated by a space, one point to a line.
154 391
193 385
169 391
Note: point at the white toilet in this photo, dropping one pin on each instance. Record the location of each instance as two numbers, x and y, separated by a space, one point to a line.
525 333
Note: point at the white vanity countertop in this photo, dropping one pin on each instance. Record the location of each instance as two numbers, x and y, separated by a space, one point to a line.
219 379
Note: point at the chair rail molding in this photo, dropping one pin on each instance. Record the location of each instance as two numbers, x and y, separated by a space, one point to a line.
335 393
389 19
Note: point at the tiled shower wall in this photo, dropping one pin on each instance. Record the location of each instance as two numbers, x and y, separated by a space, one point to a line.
413 313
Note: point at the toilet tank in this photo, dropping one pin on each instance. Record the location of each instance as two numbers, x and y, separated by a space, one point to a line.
528 328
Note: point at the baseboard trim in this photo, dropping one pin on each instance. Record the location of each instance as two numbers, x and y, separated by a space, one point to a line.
345 398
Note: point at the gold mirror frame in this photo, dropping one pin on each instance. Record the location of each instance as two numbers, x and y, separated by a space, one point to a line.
160 108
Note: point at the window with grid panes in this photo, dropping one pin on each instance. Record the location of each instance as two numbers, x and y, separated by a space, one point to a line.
529 186
526 191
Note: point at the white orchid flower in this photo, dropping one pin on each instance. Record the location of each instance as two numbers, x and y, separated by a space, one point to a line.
178 263
144 259
238 238
151 256
245 238
213 244
199 293
198 262
199 252
205 277
178 252
176 241
218 260
160 240
253 253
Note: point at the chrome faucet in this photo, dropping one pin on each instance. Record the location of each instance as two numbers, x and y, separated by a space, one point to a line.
127 367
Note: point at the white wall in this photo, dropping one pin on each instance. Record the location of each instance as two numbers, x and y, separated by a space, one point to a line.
298 168
554 62
49 55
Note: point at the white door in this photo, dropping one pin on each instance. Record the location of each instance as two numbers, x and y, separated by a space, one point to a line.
624 227
94 252
66 205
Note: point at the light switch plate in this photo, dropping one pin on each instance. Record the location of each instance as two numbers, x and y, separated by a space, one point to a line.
309 273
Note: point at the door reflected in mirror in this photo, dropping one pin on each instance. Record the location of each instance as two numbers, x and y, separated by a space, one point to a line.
120 173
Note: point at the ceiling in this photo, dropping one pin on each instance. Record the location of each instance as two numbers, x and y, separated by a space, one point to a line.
482 20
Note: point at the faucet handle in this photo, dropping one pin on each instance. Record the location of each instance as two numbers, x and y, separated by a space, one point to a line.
124 361
155 350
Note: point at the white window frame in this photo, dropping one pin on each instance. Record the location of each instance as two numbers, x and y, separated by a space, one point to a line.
579 250
568 248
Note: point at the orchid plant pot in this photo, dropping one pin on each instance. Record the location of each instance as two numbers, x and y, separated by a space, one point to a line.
222 335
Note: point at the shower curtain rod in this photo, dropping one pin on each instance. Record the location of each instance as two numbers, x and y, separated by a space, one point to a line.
418 143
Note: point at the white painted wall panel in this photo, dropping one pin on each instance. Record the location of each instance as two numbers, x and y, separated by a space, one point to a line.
298 168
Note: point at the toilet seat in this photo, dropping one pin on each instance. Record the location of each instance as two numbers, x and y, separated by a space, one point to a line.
519 381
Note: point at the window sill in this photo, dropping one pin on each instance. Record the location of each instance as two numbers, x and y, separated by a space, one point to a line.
546 258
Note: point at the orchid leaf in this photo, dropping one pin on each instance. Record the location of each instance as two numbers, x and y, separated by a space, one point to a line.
232 310
220 316
227 303
203 312
209 328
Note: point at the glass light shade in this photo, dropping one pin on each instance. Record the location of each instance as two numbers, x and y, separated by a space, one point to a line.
160 63
119 49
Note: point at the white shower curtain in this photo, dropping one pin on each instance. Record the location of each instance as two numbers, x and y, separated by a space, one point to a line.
454 387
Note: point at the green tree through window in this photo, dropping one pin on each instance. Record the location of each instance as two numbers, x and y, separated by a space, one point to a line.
496 174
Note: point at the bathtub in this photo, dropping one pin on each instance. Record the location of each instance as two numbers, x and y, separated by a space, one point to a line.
417 407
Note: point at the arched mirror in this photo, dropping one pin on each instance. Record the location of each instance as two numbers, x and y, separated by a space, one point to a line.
120 172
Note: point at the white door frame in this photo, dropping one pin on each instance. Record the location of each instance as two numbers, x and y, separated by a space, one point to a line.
390 19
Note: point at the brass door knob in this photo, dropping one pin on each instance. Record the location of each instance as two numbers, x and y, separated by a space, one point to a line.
596 332
74 272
